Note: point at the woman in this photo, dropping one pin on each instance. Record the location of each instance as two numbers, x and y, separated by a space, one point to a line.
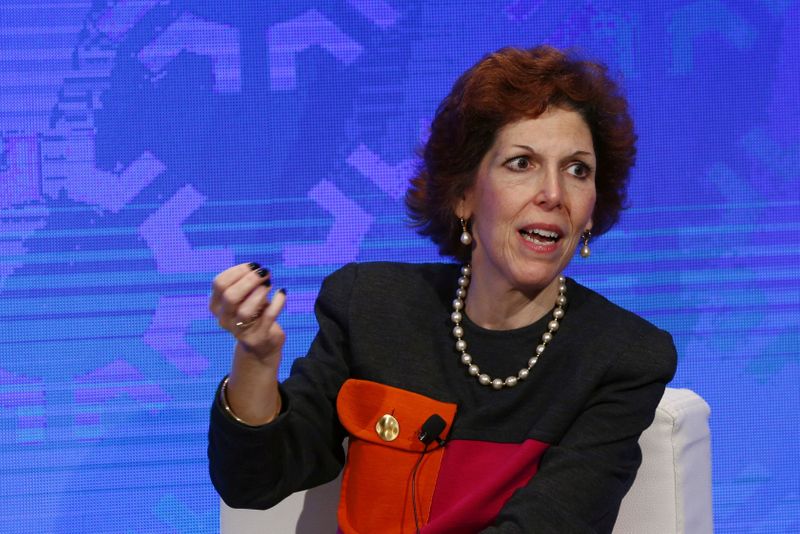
543 386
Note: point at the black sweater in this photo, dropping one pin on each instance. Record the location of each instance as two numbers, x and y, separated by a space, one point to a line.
585 403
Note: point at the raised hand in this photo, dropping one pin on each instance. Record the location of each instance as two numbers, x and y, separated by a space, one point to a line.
239 301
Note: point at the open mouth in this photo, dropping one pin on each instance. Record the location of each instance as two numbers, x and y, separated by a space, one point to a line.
540 236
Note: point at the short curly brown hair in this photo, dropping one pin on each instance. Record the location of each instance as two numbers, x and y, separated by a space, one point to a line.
506 86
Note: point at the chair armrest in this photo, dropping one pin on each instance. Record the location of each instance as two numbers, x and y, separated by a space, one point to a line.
672 490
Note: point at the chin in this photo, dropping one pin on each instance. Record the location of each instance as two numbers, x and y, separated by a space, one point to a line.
535 280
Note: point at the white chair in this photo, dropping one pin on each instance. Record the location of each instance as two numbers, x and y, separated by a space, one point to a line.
671 494
672 491
305 512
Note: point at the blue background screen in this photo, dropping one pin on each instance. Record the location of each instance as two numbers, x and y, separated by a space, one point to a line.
146 145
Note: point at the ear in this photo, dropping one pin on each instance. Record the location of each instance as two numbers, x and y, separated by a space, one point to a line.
463 207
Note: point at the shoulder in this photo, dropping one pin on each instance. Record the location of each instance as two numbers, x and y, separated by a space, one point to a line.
611 329
403 295
380 278
604 318
388 269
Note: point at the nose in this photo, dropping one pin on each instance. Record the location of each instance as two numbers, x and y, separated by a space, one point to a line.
549 193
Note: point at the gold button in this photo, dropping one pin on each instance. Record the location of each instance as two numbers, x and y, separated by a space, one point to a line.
387 428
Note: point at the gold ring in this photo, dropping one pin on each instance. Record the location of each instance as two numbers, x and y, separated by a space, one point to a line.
244 324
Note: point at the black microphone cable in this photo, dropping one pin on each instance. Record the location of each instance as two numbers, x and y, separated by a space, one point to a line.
414 486
431 430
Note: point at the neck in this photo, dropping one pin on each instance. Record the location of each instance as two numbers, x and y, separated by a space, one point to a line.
507 308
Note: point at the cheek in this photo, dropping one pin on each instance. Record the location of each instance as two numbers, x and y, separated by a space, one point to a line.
497 216
590 207
485 209
584 200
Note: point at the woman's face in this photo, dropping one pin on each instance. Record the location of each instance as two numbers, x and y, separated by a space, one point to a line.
533 197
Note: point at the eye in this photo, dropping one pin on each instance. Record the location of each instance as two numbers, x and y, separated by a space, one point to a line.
579 169
519 163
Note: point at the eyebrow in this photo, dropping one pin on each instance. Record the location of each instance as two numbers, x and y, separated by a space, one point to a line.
576 153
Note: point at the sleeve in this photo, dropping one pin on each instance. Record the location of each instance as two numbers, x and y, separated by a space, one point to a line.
582 479
257 467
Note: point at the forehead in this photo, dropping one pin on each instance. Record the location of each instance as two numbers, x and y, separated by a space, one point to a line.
555 129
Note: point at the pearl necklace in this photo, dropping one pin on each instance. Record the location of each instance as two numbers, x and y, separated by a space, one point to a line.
461 345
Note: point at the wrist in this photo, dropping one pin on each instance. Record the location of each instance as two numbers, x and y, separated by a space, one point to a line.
251 357
223 399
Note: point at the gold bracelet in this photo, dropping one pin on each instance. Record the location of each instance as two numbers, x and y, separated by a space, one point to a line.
223 397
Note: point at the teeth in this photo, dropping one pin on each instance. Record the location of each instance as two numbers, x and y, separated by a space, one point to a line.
544 233
533 238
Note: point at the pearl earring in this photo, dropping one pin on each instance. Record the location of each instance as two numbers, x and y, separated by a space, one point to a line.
466 237
585 250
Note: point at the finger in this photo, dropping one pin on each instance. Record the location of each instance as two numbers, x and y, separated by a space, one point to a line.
232 274
253 305
227 278
264 324
232 298
275 306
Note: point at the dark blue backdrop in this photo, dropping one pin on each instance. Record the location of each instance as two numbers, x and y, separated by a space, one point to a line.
148 144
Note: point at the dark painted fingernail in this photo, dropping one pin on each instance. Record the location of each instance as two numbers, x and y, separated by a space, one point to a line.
282 290
254 266
267 282
262 272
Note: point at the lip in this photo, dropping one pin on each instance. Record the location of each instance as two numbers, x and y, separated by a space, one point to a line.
542 248
542 226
